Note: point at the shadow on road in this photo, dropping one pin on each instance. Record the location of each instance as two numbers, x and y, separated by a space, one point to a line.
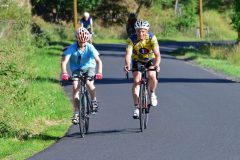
113 81
160 80
106 132
193 80
103 81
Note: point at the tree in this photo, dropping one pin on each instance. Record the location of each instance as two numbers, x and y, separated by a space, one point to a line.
89 5
236 18
141 3
111 12
187 19
57 10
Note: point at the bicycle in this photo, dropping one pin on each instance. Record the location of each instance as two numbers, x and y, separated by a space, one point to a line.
85 107
144 96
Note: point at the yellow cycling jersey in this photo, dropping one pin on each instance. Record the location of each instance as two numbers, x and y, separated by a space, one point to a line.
142 50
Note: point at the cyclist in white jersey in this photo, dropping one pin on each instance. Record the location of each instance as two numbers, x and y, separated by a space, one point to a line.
87 22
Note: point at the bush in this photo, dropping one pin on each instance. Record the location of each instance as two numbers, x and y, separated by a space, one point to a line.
188 17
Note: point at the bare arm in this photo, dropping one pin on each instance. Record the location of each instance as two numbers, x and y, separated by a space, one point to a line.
99 64
128 59
64 62
157 58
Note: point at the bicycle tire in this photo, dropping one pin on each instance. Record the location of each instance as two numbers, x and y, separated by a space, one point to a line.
82 116
88 112
141 107
146 101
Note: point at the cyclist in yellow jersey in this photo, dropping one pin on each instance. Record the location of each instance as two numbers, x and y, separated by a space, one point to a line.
142 48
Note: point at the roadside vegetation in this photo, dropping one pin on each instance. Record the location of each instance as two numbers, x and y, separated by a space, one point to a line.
34 110
222 59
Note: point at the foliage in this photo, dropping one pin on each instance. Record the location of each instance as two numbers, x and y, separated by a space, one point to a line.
188 17
89 5
54 10
60 10
236 16
147 3
112 12
219 5
32 100
223 29
165 4
224 59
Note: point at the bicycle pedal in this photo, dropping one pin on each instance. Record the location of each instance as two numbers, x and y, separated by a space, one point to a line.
75 122
135 117
95 109
147 110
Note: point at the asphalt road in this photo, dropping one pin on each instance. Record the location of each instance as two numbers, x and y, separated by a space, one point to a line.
198 117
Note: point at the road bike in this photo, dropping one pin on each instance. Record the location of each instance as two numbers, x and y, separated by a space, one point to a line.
144 96
85 107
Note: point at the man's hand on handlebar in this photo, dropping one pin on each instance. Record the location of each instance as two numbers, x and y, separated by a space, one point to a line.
126 68
157 67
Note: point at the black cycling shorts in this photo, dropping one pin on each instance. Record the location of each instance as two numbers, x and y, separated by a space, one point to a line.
136 64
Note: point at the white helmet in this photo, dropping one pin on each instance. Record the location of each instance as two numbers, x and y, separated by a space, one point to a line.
86 14
142 24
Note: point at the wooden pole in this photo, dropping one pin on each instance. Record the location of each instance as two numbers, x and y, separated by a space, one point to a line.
75 14
238 40
201 18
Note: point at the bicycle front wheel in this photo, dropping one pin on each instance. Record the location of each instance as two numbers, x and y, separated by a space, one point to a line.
141 107
82 115
146 107
88 112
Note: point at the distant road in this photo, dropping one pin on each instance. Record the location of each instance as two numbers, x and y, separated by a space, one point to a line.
198 117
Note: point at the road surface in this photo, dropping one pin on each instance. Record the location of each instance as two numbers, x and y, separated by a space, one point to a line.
198 117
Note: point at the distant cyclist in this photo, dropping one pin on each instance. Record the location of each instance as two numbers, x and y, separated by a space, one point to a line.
142 48
87 22
132 18
83 58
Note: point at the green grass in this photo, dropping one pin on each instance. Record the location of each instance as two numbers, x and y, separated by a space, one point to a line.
26 148
219 26
224 59
41 114
34 110
163 24
109 41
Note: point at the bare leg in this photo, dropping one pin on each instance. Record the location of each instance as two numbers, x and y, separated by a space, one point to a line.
135 87
152 81
75 96
92 89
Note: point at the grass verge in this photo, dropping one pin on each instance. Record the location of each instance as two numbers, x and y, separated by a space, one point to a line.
34 111
40 115
223 59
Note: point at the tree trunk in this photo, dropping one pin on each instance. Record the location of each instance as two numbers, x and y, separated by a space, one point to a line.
176 6
238 40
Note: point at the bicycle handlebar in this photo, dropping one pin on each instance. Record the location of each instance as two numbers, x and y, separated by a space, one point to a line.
74 77
142 69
